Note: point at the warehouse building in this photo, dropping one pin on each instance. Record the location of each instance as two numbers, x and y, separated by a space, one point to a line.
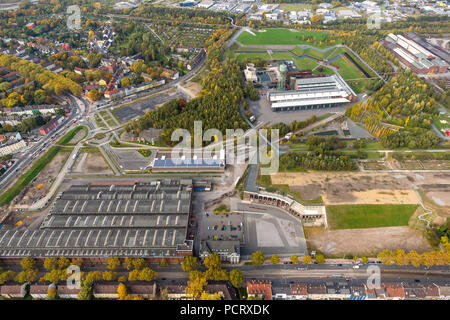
414 56
101 220
312 93
164 162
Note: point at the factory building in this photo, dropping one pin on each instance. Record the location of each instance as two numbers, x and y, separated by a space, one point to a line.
101 220
414 56
163 162
312 93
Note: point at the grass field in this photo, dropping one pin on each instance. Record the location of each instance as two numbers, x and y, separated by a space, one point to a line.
69 135
369 216
280 36
28 176
439 125
347 70
247 55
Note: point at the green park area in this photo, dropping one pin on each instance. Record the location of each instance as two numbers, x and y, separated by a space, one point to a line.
284 37
369 215
66 140
28 176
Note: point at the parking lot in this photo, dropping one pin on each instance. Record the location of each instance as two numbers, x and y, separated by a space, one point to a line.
271 230
139 108
222 226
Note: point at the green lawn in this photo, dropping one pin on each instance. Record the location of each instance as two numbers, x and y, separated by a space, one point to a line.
247 55
369 215
28 176
439 125
347 70
69 135
279 36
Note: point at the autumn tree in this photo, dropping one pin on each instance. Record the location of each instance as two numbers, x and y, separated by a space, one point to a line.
320 258
122 291
113 263
294 259
236 278
197 281
28 263
275 259
307 259
212 261
210 296
109 275
258 258
86 290
189 263
50 263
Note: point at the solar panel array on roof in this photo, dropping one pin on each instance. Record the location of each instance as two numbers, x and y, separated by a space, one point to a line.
144 220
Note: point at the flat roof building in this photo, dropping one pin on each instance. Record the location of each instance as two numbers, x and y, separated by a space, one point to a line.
97 221
312 93
228 250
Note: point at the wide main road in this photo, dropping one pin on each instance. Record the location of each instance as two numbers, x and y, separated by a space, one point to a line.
32 153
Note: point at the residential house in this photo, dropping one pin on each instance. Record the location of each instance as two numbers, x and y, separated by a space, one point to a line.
144 290
64 292
299 291
260 288
393 290
105 290
13 290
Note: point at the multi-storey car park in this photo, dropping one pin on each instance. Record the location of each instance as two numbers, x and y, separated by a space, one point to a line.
312 93
104 219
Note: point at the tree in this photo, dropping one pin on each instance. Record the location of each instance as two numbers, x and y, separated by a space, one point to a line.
258 258
236 278
28 263
294 259
94 276
55 276
7 276
210 296
52 294
133 275
139 263
414 258
275 259
113 263
212 261
125 82
94 95
307 259
364 260
147 274
27 276
189 263
109 275
63 263
50 263
196 284
320 258
122 291
77 262
85 290
163 262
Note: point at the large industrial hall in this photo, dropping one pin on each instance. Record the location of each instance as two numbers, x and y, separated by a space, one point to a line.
100 220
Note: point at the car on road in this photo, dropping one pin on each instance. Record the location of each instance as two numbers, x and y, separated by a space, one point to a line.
356 267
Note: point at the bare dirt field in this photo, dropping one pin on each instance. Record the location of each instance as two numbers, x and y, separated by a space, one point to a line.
375 196
44 178
368 241
91 162
362 187
193 88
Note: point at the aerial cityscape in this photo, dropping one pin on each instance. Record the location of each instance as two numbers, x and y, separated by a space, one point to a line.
224 150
